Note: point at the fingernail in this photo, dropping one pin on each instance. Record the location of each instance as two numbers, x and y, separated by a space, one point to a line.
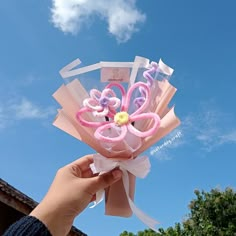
116 174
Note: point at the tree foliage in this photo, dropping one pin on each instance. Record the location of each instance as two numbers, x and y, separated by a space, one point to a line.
211 214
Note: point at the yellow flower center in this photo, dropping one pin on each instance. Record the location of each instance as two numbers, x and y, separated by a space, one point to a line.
121 118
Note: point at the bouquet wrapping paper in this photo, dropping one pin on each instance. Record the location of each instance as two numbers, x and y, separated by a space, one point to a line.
120 115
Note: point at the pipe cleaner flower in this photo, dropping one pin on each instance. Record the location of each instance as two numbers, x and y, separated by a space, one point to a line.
102 103
122 122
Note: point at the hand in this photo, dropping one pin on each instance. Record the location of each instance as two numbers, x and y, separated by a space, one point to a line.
73 188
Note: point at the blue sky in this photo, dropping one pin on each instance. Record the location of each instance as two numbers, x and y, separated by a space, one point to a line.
196 38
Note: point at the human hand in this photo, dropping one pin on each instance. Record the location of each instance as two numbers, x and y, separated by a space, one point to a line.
73 188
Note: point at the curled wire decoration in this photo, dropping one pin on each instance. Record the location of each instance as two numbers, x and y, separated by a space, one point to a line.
148 73
150 81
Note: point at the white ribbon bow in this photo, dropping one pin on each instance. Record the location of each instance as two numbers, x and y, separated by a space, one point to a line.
139 167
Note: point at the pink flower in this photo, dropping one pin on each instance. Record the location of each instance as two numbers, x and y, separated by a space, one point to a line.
101 103
122 122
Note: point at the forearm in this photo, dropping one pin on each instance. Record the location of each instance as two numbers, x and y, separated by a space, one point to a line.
28 225
54 218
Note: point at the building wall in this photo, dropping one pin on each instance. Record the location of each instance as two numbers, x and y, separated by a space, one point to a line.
8 216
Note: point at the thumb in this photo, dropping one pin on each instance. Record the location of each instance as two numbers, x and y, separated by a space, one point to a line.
105 180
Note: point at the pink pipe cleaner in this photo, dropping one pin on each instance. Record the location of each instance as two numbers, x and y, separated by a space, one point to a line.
122 121
86 123
147 75
102 103
122 90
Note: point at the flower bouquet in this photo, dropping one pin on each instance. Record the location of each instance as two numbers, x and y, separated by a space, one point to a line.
120 109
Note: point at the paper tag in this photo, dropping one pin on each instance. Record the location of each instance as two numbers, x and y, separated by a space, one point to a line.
115 74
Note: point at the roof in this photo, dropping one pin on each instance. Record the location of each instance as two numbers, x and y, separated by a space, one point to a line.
16 194
22 203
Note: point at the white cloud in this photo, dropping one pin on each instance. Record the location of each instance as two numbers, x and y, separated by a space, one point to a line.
2 119
207 130
229 137
210 127
162 155
25 109
122 16
21 109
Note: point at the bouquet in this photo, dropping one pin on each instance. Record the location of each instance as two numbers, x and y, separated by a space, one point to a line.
120 109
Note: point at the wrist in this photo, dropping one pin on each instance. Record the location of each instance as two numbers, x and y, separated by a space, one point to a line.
57 220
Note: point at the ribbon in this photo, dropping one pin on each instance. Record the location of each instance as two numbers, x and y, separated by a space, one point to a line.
71 69
139 167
